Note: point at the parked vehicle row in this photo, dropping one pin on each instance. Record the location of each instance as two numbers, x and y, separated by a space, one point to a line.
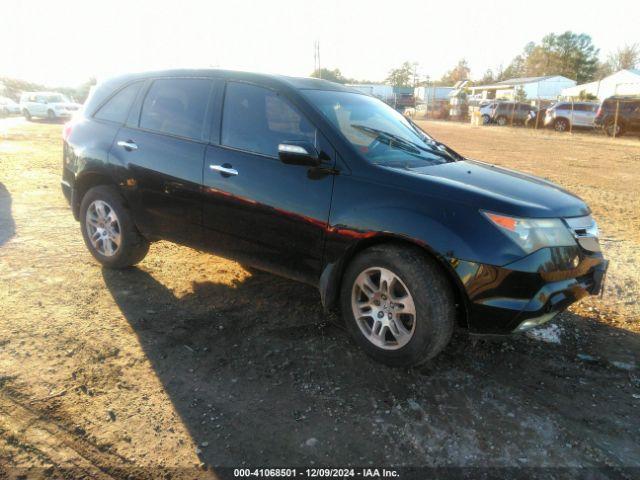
565 116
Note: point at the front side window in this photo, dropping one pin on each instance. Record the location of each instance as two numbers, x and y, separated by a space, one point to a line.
177 106
258 119
379 133
117 108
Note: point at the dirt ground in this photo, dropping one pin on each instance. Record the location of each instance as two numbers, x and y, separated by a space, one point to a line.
189 363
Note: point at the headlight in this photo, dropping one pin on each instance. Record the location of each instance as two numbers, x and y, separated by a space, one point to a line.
532 234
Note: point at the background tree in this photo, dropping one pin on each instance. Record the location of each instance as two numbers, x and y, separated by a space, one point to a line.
460 72
515 69
334 75
82 92
626 57
570 54
404 76
519 95
488 77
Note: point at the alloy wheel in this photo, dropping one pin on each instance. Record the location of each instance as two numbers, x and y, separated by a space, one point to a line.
561 126
103 228
383 308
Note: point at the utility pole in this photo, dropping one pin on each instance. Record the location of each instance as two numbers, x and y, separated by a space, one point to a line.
316 58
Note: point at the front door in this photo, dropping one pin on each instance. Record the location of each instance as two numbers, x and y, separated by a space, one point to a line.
162 155
256 208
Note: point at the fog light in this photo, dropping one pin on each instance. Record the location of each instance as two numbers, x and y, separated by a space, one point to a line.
534 322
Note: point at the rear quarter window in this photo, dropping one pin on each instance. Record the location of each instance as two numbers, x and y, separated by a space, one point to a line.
117 107
177 106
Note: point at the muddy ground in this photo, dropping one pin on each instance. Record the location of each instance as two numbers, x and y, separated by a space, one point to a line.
189 363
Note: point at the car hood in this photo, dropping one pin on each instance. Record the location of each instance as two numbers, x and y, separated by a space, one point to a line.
498 189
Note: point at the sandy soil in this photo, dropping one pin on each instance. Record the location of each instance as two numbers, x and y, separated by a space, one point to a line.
190 363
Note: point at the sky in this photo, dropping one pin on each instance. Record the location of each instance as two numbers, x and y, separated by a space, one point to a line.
63 43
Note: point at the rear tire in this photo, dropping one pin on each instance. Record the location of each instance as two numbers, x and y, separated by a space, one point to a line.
501 120
113 247
26 114
51 115
419 286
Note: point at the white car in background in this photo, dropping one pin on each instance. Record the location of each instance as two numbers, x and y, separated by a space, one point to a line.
486 109
8 107
49 105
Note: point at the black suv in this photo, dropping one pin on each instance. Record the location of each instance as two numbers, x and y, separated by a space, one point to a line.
511 113
322 184
628 116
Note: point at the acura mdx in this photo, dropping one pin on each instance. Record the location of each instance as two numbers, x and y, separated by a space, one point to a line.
323 184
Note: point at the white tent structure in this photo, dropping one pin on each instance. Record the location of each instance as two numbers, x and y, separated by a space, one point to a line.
624 82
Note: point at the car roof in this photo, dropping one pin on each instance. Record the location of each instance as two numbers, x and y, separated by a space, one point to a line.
296 83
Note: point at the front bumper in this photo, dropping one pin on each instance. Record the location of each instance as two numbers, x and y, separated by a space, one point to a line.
531 291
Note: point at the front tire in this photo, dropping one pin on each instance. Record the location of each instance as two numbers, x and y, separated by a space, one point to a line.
486 119
51 115
561 125
26 114
108 229
397 305
609 129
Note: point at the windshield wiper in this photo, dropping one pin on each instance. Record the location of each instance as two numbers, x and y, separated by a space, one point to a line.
400 142
414 146
432 141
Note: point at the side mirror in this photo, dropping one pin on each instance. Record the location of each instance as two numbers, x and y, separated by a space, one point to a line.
298 153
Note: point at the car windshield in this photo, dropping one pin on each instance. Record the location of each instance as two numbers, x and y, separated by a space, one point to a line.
56 98
381 135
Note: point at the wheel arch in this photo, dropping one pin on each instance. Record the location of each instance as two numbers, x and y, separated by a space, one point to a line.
83 183
332 276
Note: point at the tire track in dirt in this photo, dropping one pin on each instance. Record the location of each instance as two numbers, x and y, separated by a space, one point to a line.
60 450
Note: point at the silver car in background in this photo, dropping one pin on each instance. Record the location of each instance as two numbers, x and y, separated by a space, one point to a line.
564 115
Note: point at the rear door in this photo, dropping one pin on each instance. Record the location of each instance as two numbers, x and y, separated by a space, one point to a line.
160 153
581 115
258 209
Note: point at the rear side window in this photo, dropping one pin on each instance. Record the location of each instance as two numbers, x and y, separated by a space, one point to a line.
177 106
116 109
258 119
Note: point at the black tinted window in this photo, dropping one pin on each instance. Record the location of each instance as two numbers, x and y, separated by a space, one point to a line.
116 109
258 119
176 106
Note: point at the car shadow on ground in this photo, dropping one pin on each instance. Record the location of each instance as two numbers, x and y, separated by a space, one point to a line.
7 226
261 376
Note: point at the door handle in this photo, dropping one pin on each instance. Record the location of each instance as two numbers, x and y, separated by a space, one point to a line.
127 145
225 169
